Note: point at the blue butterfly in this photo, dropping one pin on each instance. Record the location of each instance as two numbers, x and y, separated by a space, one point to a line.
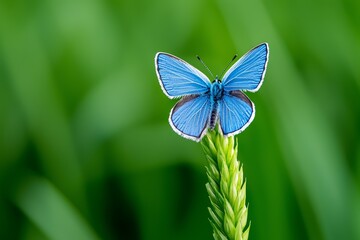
204 103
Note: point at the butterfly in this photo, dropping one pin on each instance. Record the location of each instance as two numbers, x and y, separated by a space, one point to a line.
203 103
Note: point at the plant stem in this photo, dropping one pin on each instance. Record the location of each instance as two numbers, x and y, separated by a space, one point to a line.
226 187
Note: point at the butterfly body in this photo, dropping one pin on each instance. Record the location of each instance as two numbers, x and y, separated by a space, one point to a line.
205 104
216 94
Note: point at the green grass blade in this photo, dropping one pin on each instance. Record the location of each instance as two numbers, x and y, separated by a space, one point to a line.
51 212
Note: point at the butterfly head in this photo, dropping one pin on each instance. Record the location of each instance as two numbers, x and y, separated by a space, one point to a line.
217 79
217 90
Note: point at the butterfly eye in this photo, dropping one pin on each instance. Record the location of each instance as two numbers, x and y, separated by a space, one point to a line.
217 79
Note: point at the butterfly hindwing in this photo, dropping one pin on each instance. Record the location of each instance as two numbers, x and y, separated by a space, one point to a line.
248 72
236 112
190 116
178 78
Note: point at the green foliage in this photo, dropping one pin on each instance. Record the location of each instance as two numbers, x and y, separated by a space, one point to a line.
51 212
226 188
82 113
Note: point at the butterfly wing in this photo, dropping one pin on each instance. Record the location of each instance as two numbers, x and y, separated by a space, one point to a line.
236 112
178 78
248 72
190 116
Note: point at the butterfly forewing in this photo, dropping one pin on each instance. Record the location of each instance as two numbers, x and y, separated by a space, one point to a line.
248 72
178 78
190 116
236 111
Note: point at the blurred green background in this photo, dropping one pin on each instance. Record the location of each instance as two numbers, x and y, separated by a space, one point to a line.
86 151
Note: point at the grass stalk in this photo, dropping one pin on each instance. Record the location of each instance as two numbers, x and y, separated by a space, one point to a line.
226 187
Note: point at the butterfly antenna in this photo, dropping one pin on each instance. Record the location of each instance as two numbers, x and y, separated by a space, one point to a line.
197 56
222 74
